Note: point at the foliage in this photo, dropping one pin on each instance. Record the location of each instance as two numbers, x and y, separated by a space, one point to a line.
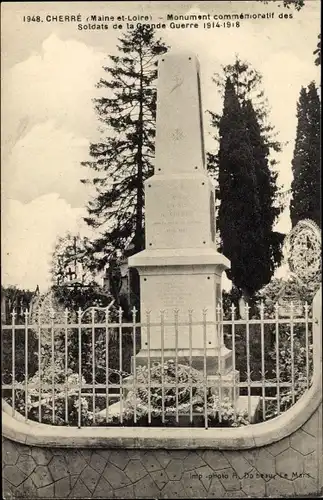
248 86
267 191
48 310
224 411
228 299
306 163
185 390
60 306
155 397
75 285
7 360
58 369
256 148
17 300
44 406
290 290
297 4
75 297
123 159
240 215
293 368
317 52
45 310
66 401
292 364
71 260
97 356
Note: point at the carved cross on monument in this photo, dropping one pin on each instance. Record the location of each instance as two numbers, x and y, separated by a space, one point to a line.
180 269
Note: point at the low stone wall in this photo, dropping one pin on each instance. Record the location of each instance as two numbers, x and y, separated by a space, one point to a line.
289 467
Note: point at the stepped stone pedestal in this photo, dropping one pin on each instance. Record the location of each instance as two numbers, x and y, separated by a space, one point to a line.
180 269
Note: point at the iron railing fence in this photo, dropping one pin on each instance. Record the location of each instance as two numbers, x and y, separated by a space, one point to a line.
90 368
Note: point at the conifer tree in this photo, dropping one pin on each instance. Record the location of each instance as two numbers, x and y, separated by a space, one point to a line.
267 193
306 184
261 140
248 86
123 159
239 217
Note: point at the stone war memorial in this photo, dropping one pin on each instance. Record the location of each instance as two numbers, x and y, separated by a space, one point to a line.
180 269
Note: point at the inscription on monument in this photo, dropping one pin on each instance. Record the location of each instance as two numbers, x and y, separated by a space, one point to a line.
178 212
174 294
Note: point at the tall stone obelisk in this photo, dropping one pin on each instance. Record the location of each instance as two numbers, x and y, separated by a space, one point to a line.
180 269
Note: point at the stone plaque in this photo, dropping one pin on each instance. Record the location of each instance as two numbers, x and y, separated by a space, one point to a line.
171 292
178 213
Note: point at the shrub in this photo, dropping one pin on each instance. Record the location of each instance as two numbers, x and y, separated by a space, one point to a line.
66 400
288 290
167 375
19 355
41 400
190 396
223 412
289 396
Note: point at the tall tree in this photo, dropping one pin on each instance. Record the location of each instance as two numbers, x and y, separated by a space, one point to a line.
239 217
248 86
306 196
267 191
124 157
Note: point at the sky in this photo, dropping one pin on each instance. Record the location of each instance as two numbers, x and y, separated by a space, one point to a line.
49 73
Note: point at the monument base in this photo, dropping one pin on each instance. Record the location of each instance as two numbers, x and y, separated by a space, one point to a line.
242 405
225 386
185 420
216 360
180 294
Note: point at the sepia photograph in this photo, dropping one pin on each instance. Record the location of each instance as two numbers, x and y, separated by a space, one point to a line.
161 298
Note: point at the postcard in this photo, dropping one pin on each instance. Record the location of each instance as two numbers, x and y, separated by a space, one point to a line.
161 249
